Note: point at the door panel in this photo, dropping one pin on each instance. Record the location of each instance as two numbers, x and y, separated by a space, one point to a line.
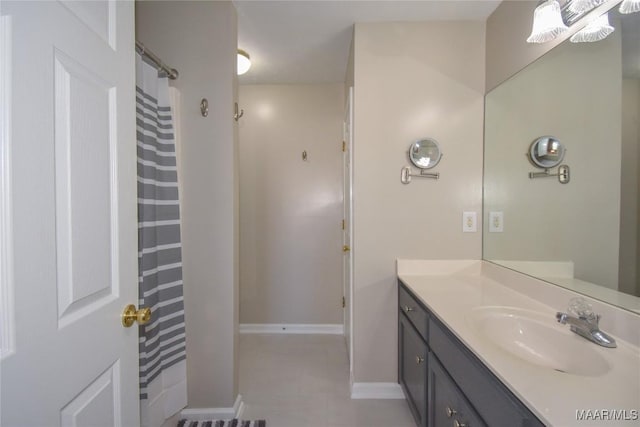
84 112
74 243
98 401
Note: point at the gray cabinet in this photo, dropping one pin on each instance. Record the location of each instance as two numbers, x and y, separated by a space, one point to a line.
447 404
412 368
451 387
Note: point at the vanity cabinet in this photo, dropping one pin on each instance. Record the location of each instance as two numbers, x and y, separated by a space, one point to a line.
450 386
412 369
447 404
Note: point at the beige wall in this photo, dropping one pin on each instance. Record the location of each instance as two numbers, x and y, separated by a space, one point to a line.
630 202
412 80
573 93
507 30
199 39
290 209
349 76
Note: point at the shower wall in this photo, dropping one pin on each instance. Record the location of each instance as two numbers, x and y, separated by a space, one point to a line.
199 38
291 209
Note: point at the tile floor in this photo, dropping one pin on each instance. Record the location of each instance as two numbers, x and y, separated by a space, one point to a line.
303 381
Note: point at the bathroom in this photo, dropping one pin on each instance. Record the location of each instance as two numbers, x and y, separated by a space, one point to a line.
255 197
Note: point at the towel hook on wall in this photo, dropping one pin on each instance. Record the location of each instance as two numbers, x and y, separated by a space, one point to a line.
237 115
204 107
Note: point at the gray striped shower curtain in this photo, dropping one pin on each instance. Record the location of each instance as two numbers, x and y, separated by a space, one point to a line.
162 340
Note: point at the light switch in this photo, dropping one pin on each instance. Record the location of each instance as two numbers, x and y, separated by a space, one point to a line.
496 222
469 222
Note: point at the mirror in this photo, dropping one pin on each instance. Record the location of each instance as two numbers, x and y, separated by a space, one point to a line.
584 236
425 154
546 152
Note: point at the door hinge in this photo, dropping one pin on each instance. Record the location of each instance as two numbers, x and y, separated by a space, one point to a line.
343 302
343 224
344 146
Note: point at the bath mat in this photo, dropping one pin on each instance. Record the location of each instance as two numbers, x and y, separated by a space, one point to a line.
222 423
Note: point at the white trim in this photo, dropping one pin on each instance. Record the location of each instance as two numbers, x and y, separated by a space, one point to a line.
207 414
292 328
7 319
350 227
376 391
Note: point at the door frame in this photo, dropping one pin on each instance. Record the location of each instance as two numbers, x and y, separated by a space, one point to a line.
347 174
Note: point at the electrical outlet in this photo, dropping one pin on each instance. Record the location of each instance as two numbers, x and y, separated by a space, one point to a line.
469 222
496 222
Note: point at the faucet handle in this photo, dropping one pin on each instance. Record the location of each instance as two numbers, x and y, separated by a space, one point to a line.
579 307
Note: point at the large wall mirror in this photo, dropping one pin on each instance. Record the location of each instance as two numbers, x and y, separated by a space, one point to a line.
584 235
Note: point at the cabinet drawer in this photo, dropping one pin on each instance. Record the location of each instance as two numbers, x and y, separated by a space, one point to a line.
495 404
448 406
413 310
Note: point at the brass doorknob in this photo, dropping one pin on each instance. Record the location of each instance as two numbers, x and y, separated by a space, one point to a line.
346 248
130 315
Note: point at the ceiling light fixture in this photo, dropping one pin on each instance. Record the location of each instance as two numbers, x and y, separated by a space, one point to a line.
244 62
547 22
630 6
595 31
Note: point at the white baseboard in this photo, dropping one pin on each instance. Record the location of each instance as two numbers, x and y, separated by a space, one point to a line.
291 328
376 391
206 414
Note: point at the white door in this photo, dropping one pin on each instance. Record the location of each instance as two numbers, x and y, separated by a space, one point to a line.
69 129
347 225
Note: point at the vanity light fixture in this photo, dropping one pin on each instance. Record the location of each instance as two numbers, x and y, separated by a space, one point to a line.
582 6
244 62
547 22
630 6
595 31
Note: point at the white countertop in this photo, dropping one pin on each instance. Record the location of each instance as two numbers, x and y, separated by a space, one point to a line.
451 292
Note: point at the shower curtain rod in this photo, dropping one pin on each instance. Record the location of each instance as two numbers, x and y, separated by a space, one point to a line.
172 73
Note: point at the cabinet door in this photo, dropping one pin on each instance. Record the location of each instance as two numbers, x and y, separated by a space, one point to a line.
447 405
412 368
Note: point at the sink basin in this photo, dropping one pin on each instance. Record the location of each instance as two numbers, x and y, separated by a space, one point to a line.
538 339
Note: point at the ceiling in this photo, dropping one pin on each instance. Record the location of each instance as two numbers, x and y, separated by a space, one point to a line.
308 41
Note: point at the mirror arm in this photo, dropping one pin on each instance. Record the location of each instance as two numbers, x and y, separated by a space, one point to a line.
563 174
406 175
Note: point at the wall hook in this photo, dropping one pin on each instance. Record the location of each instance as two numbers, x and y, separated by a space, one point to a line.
304 156
237 115
204 107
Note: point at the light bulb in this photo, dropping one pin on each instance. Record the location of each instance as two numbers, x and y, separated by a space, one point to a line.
595 31
244 62
630 6
547 22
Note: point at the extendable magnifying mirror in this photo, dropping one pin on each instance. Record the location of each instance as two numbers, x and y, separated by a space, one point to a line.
424 154
547 152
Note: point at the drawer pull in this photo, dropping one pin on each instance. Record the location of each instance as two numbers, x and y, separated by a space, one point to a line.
457 423
407 309
419 360
451 412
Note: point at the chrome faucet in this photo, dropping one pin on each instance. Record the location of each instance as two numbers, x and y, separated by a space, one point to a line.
584 322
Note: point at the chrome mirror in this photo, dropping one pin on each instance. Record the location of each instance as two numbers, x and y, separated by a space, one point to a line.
425 154
546 152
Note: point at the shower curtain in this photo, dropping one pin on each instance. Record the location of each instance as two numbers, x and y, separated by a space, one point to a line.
163 390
